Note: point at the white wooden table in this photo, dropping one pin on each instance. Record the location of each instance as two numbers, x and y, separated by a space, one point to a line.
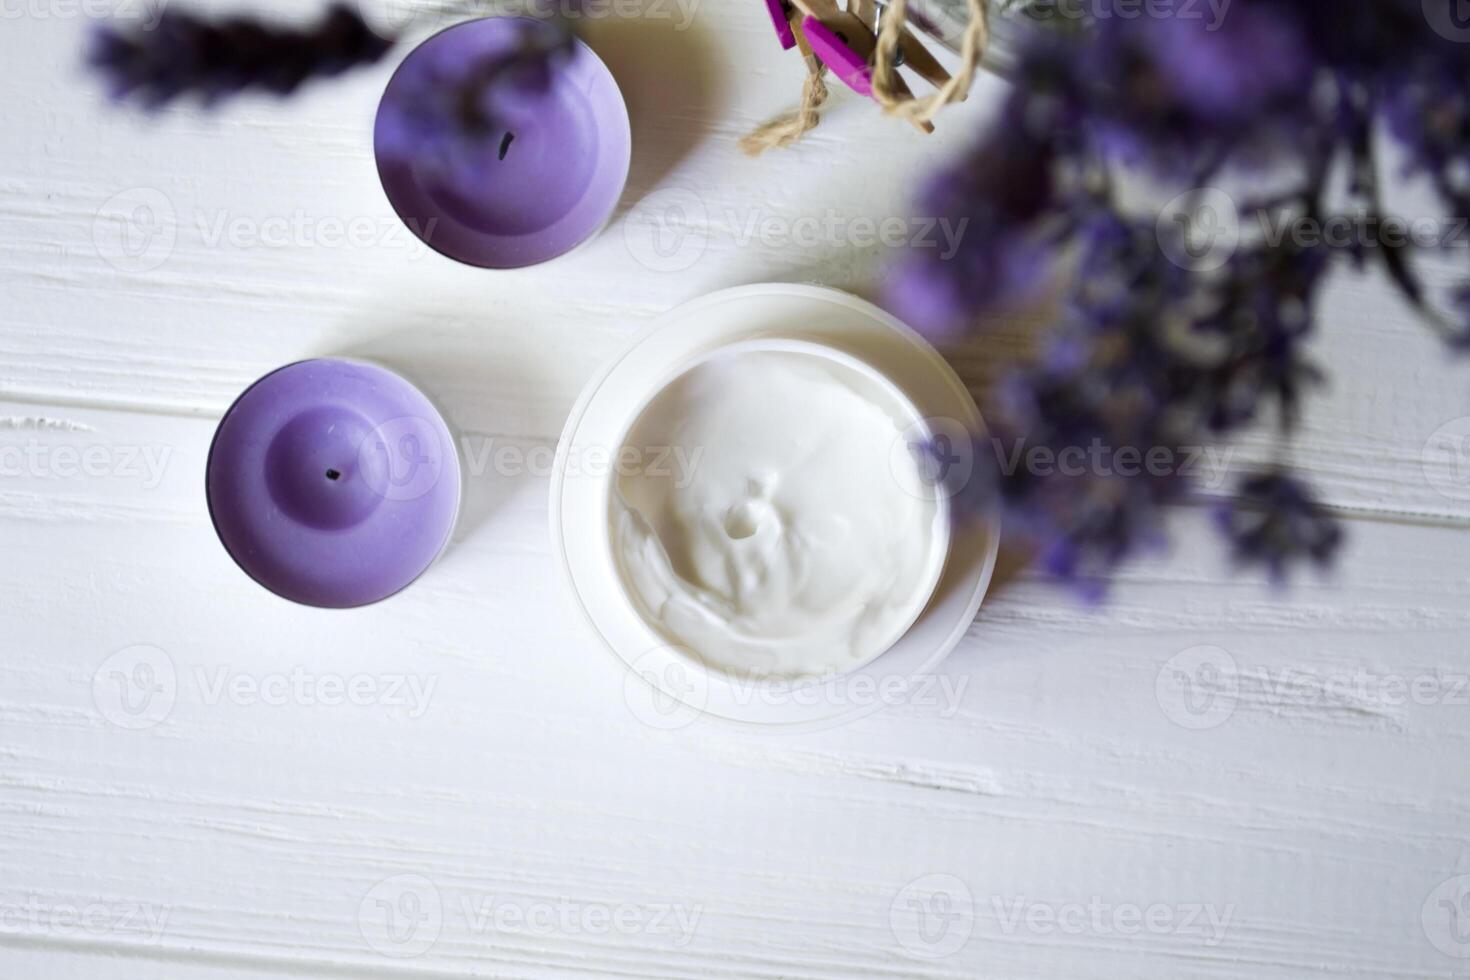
1083 809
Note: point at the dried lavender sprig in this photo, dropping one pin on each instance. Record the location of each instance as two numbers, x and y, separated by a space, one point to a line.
1154 354
185 54
1275 521
444 111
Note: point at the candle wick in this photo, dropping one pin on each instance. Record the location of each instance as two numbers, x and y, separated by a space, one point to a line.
505 144
333 474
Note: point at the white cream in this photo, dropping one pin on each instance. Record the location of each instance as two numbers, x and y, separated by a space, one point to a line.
799 540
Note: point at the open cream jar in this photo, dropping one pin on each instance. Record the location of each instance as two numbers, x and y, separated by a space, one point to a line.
664 683
775 524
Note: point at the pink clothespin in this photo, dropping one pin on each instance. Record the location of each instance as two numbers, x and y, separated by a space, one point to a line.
780 11
842 35
834 51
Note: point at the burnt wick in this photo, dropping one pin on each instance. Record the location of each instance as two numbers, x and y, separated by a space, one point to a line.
505 144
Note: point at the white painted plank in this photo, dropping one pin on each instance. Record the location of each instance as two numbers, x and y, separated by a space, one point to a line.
1312 800
275 243
1320 826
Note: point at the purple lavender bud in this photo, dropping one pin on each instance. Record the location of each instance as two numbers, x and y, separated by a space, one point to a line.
997 199
1276 522
185 54
1253 60
1153 353
1164 91
448 110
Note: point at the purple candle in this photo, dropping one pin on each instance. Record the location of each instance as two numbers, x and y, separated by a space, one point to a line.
333 483
548 158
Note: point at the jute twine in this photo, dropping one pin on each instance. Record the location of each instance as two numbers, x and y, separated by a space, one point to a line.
972 48
792 126
789 127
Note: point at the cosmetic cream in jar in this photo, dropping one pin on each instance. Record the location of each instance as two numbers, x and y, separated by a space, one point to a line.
664 682
773 523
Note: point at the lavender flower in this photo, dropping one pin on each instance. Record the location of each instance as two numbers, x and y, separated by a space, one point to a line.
1370 42
1005 254
1275 522
1261 317
1167 92
1153 354
1429 113
186 54
1099 395
447 106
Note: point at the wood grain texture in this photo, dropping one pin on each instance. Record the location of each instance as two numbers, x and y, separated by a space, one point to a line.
1279 781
